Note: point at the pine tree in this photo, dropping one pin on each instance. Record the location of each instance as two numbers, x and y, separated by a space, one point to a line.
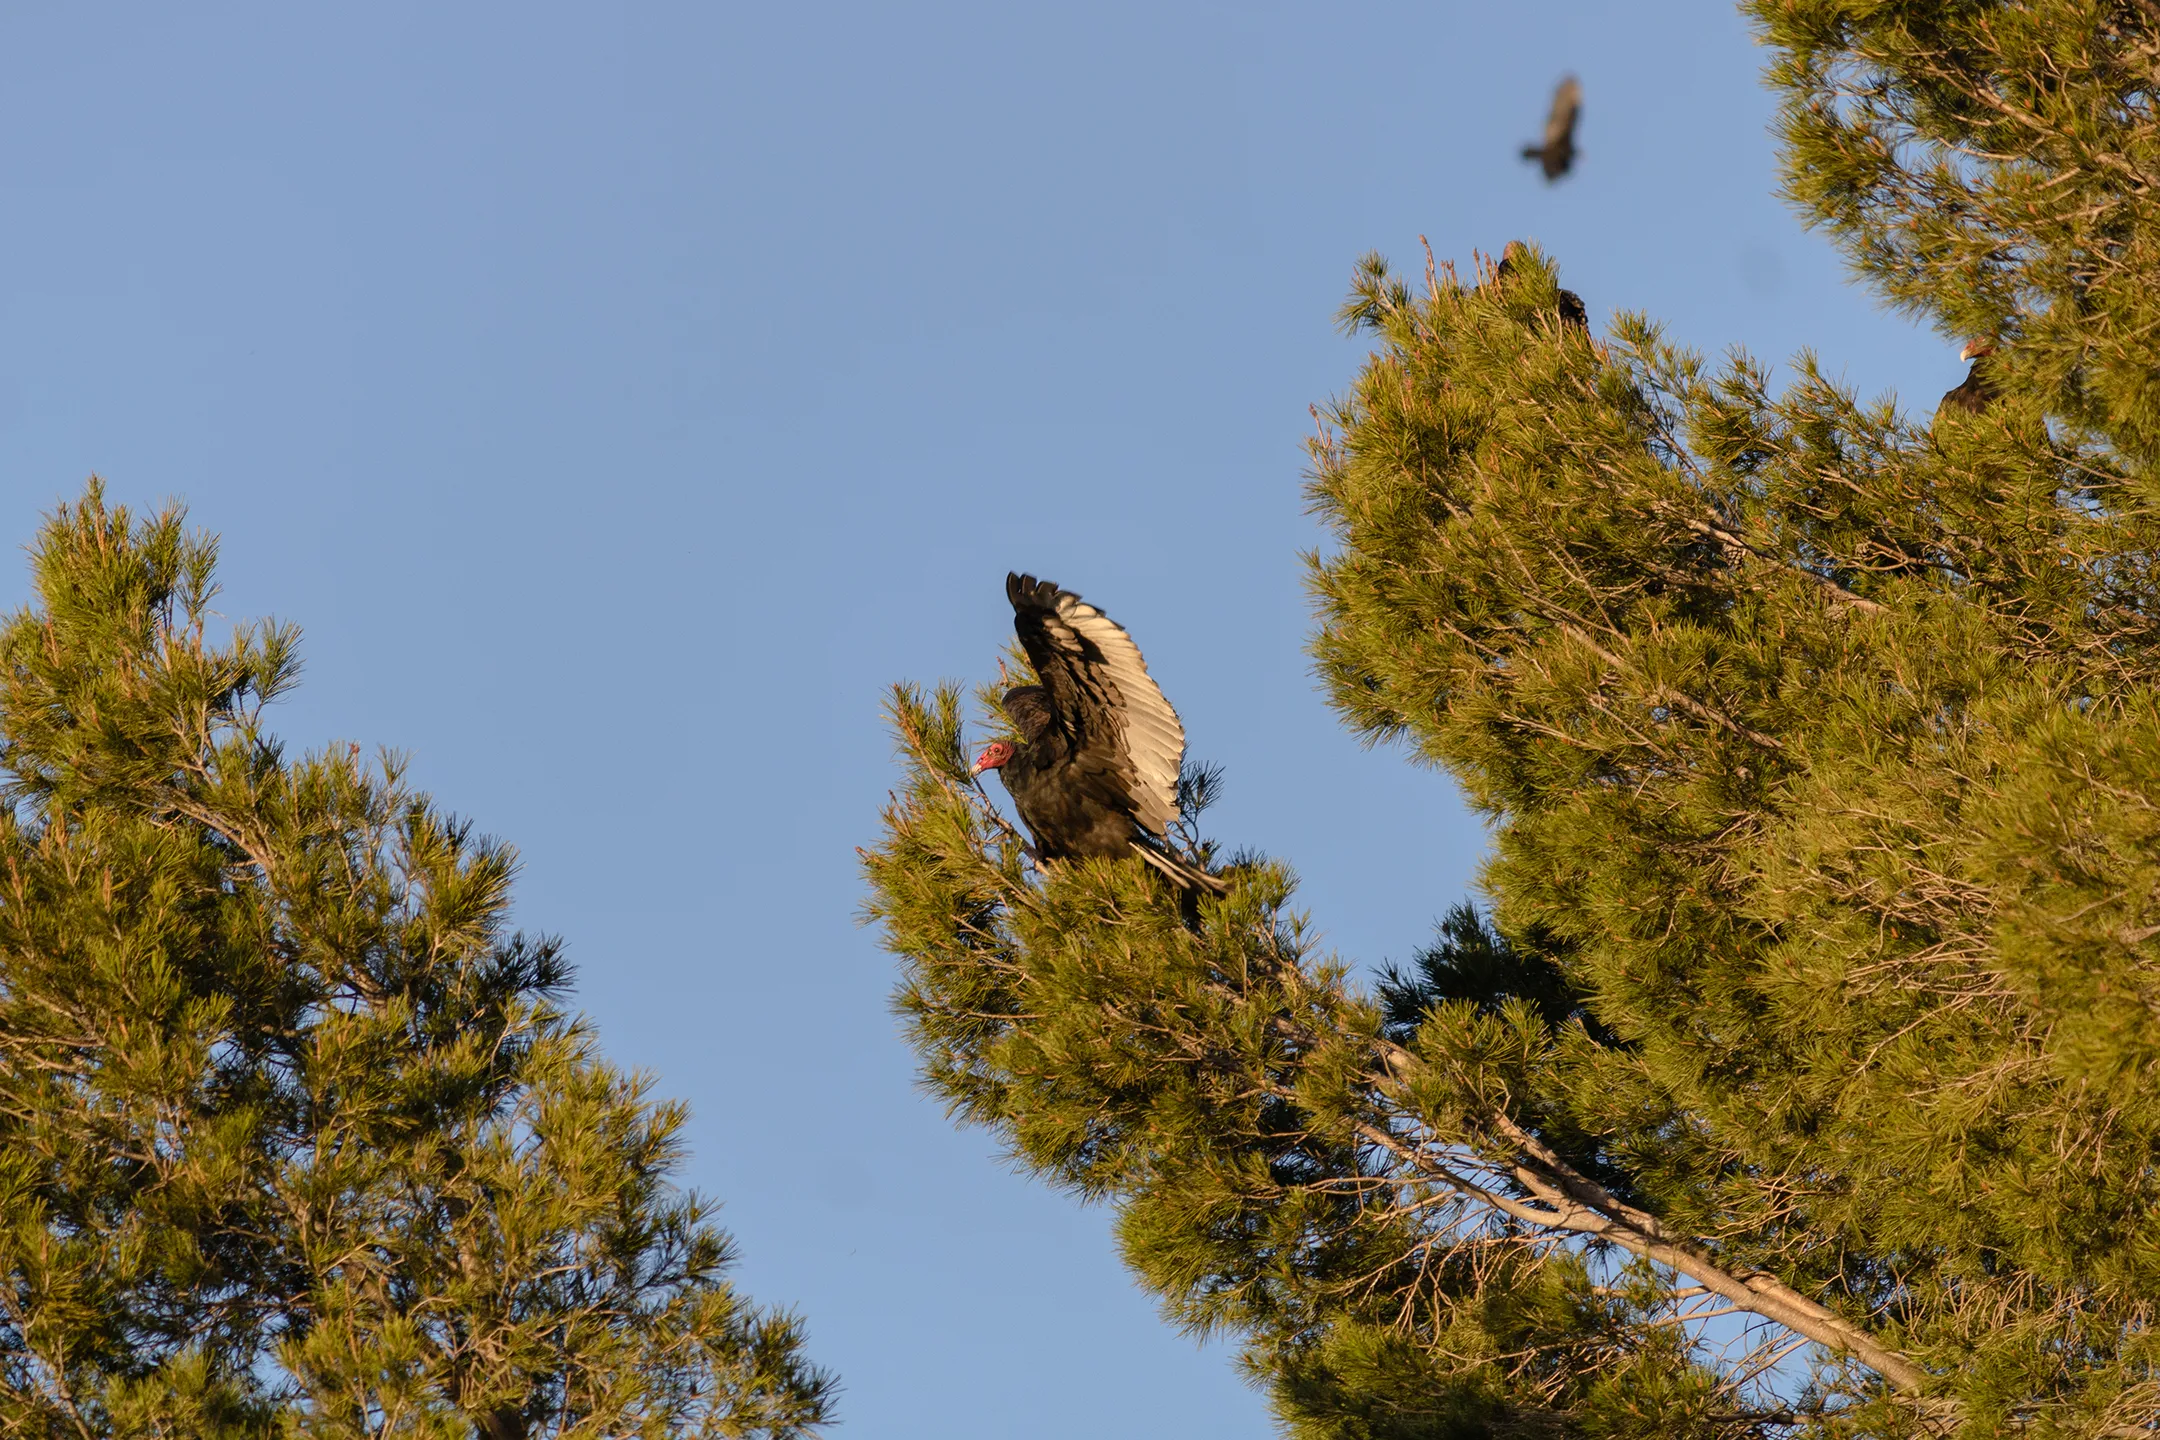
294 1137
1804 1073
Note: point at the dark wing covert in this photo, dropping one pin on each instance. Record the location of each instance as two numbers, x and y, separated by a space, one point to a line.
1029 709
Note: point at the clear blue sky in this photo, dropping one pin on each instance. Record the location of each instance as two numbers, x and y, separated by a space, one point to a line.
620 397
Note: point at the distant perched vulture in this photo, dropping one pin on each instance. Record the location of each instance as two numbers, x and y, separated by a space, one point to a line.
1571 306
1978 391
1096 772
1557 152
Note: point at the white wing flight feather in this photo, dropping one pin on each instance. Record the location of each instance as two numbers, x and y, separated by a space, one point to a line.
1154 740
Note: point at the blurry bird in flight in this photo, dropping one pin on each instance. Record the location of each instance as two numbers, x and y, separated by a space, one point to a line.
1557 153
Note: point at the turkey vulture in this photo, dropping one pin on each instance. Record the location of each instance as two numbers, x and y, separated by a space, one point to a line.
1558 151
1096 770
1571 306
1978 390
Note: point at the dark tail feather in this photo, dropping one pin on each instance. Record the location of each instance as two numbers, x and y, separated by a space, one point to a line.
1184 875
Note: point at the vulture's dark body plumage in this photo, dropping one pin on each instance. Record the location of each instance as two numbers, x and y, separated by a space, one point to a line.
1096 770
1556 153
1977 391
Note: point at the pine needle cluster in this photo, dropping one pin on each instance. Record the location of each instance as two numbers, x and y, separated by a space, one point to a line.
294 1137
1991 169
1358 1189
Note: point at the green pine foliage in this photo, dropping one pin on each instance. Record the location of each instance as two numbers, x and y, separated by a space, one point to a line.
295 1139
1805 1076
1991 169
1285 1172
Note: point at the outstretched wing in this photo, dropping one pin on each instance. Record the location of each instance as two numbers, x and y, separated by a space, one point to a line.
1101 693
1560 123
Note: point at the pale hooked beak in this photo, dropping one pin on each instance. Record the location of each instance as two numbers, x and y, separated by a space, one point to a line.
1974 349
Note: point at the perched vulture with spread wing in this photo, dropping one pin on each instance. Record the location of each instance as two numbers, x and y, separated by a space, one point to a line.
1557 152
1096 770
1978 391
1572 311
